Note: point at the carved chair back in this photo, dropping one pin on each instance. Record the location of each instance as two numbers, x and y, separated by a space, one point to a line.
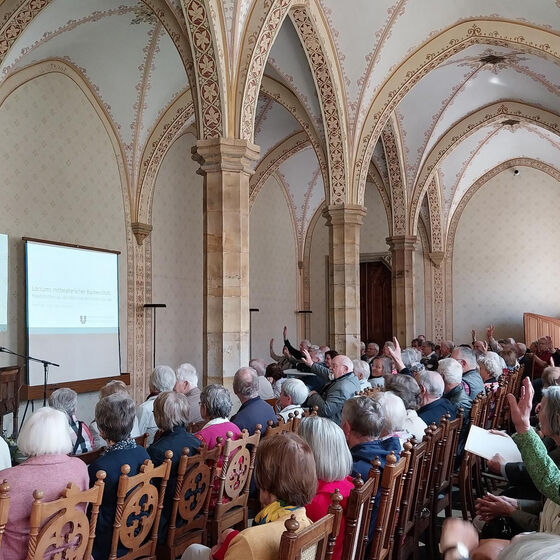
4 506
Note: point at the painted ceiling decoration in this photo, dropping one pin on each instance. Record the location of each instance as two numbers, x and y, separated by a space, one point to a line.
423 98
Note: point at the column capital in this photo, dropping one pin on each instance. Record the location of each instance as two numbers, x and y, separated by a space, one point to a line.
225 154
401 242
140 231
344 214
437 257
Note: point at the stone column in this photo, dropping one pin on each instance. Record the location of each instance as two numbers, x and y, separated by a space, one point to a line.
226 165
402 286
344 224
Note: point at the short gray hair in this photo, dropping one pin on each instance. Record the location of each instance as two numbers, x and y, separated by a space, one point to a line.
364 415
246 383
163 378
328 443
296 389
393 410
386 364
320 354
64 399
451 371
171 409
115 415
552 396
432 382
217 400
536 546
467 354
361 367
491 364
410 356
45 432
405 387
187 372
114 386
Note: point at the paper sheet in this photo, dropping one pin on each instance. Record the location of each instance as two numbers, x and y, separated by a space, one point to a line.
484 444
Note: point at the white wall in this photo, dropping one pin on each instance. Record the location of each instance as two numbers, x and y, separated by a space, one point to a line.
60 182
272 270
375 228
505 257
177 257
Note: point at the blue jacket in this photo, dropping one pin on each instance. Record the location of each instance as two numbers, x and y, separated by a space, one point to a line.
174 441
252 412
433 411
111 463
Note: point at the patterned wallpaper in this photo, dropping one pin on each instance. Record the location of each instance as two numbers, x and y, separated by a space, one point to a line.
59 182
504 261
177 248
272 269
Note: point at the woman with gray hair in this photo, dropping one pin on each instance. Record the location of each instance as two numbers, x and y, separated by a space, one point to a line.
215 408
490 369
333 462
66 400
362 371
394 413
406 387
162 379
114 416
292 396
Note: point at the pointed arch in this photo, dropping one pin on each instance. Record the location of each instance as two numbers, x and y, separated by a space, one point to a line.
519 36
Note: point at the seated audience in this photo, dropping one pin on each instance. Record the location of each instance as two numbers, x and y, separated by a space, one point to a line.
333 463
114 386
406 387
303 345
265 388
171 411
510 358
286 479
452 374
430 359
362 371
434 406
162 379
187 383
115 417
472 382
215 407
333 395
293 395
380 367
45 440
490 369
275 376
66 400
372 350
254 410
394 413
320 369
445 349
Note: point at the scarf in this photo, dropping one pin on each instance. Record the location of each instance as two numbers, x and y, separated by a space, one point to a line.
121 445
273 511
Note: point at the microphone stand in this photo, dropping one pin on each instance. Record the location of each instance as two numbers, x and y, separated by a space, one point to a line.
45 363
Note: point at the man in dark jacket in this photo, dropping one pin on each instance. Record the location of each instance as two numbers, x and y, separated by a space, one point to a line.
434 406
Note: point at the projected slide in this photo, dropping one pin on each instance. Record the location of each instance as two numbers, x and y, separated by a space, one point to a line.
72 312
3 282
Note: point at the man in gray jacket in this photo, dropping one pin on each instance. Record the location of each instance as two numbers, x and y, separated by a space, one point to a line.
343 385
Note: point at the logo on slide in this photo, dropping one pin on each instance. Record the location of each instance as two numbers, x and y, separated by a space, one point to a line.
83 319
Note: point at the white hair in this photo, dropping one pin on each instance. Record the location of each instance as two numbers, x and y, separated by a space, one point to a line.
361 367
432 382
534 546
246 383
492 364
163 378
296 389
450 370
410 356
46 432
393 411
187 372
318 352
333 460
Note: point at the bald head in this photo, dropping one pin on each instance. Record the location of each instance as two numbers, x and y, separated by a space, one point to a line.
246 384
341 365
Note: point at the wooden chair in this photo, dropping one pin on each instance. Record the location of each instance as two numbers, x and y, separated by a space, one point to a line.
10 383
142 440
272 402
404 533
296 422
90 456
315 542
194 427
61 528
358 515
235 479
392 482
467 472
4 506
280 427
189 515
139 505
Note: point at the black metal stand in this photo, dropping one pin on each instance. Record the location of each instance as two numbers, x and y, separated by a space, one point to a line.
251 311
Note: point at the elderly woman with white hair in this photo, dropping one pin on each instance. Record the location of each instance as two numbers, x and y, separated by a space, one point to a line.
490 369
362 372
162 379
187 383
333 462
406 387
45 440
66 400
292 395
394 414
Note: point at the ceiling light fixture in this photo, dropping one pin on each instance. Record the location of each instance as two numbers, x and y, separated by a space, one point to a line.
492 59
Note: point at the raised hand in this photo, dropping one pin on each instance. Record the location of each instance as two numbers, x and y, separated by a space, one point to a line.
285 333
473 333
490 332
521 411
306 357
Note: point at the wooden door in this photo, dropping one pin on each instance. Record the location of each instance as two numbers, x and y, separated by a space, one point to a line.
375 303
